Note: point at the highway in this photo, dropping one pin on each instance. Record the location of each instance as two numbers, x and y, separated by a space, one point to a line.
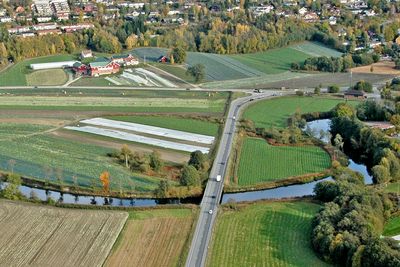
213 192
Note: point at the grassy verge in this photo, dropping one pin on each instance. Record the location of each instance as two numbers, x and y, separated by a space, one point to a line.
265 234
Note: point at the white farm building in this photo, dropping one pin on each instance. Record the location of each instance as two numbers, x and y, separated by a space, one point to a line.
53 65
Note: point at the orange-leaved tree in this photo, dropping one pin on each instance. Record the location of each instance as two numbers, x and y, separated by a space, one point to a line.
105 180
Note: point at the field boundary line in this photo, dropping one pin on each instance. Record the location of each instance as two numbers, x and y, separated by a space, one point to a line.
171 75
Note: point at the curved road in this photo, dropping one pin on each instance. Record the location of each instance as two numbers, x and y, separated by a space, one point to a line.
213 192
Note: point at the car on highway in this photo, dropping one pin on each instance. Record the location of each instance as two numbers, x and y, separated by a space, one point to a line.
218 178
210 211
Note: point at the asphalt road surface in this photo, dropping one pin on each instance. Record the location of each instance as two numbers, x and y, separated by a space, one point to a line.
213 192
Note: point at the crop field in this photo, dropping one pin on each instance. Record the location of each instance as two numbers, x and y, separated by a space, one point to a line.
47 77
261 162
265 234
16 75
178 71
316 49
114 104
14 130
275 112
153 238
47 157
175 123
245 66
34 235
272 61
392 227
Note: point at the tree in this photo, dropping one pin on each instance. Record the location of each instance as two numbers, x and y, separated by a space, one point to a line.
156 162
172 60
105 181
131 41
190 176
326 191
197 71
126 153
179 54
333 89
11 164
338 141
317 90
162 189
11 191
197 159
344 110
363 86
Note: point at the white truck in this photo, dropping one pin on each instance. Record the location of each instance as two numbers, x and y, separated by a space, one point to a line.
218 178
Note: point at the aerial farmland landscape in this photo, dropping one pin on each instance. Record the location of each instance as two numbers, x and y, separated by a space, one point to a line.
200 133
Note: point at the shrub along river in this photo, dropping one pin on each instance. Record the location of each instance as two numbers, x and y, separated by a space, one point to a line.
297 190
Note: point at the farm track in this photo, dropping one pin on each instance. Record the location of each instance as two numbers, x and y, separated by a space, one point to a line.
45 236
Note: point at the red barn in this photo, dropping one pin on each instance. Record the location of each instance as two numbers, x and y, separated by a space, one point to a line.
80 69
103 67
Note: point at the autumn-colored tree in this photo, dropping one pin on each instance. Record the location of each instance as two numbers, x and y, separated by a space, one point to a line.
105 180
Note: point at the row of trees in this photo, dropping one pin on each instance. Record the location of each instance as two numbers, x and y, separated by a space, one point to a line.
336 64
347 229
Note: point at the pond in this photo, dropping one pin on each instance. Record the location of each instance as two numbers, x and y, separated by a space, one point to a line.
317 127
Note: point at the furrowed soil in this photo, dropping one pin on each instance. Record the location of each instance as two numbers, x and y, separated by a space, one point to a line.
34 235
154 239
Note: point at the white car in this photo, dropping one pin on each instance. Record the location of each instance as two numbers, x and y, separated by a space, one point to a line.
210 211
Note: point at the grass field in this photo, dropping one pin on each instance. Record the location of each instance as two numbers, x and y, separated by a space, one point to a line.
316 49
261 162
153 238
47 77
175 123
265 234
275 112
34 235
178 71
16 75
393 188
42 156
272 61
212 104
392 227
92 81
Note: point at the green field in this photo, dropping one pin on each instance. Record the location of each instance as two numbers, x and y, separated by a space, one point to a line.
192 102
47 77
16 75
13 130
242 66
261 162
92 81
35 154
392 227
393 188
175 123
272 61
265 234
178 71
316 49
275 112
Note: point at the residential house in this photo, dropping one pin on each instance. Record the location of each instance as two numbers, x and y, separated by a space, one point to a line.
125 60
311 17
19 29
45 26
350 94
47 32
77 27
86 54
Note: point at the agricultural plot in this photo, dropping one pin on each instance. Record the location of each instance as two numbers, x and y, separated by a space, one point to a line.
265 234
35 235
316 49
261 162
153 238
208 103
47 77
273 61
16 130
275 112
16 75
175 123
138 138
58 160
151 130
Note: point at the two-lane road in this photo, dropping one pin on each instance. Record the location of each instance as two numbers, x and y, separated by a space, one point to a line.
213 192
